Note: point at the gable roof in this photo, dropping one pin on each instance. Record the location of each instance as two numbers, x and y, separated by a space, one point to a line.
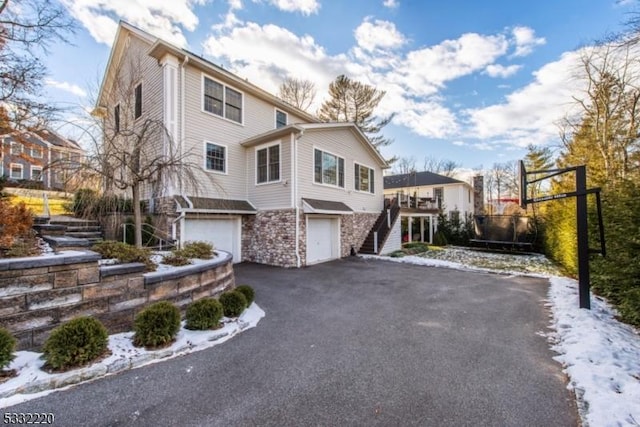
45 137
302 127
416 179
159 48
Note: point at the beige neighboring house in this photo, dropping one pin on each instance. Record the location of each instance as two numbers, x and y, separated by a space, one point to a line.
41 158
278 187
422 196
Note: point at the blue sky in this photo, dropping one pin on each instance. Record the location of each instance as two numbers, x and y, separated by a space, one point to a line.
470 81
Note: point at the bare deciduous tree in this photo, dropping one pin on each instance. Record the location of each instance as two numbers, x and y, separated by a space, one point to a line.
298 92
404 165
27 29
440 166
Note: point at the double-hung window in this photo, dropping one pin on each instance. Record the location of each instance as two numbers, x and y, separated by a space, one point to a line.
16 148
215 157
16 171
281 119
36 173
221 100
328 168
268 164
364 179
138 101
36 153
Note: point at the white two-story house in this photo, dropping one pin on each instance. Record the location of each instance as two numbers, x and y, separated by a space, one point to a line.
275 185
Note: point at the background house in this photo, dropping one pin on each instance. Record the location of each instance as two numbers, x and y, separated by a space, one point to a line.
272 184
423 195
40 159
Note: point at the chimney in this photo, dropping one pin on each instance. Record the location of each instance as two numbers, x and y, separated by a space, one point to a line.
478 195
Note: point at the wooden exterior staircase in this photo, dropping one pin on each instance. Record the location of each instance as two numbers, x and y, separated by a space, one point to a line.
377 237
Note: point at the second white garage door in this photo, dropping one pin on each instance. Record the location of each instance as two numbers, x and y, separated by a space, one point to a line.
323 239
223 233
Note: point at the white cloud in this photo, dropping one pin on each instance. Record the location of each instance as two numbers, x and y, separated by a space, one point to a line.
164 19
525 40
67 87
459 143
497 70
235 4
378 35
391 4
306 7
529 115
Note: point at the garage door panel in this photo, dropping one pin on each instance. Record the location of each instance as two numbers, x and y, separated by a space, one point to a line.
223 234
322 239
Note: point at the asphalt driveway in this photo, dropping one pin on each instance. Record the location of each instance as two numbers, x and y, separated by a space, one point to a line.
352 342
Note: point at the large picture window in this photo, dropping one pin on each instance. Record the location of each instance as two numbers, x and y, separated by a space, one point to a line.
364 179
268 164
221 100
216 157
328 168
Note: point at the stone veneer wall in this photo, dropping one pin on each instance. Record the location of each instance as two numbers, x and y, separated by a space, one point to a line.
268 237
354 230
38 294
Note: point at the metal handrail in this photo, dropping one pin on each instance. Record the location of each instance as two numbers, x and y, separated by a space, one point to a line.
161 239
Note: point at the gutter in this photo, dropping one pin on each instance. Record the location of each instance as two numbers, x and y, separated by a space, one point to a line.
182 120
294 190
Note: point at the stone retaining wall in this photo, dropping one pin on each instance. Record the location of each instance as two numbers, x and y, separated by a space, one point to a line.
38 294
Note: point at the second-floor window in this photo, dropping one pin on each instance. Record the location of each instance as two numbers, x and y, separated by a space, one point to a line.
281 119
364 179
215 157
328 168
116 118
438 194
36 173
222 101
16 148
36 153
268 164
138 101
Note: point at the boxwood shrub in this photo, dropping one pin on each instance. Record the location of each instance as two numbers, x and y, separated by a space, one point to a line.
233 303
156 325
248 293
75 343
7 348
204 314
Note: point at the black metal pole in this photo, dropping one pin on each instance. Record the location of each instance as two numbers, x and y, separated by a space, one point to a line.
583 237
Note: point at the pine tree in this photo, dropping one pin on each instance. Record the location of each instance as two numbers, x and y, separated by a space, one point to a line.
353 101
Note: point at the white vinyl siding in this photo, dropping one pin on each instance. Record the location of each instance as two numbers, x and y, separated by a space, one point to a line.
270 195
341 142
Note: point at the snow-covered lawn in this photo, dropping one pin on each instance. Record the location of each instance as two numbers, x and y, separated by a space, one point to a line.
600 355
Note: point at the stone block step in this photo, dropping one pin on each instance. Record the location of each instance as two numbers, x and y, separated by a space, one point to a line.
84 234
84 228
64 242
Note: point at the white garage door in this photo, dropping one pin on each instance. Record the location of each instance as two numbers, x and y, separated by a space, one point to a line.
323 239
223 233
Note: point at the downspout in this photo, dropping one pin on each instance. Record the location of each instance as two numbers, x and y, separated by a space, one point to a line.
294 190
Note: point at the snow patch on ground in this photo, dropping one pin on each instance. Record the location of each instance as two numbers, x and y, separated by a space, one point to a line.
600 355
33 382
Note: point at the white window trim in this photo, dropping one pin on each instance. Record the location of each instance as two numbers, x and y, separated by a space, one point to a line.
262 147
41 149
313 169
374 174
275 117
37 168
11 166
224 94
226 158
16 144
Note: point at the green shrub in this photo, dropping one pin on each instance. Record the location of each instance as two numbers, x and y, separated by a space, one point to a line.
396 254
204 314
7 347
175 259
75 343
124 253
156 325
248 293
233 303
201 250
439 239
